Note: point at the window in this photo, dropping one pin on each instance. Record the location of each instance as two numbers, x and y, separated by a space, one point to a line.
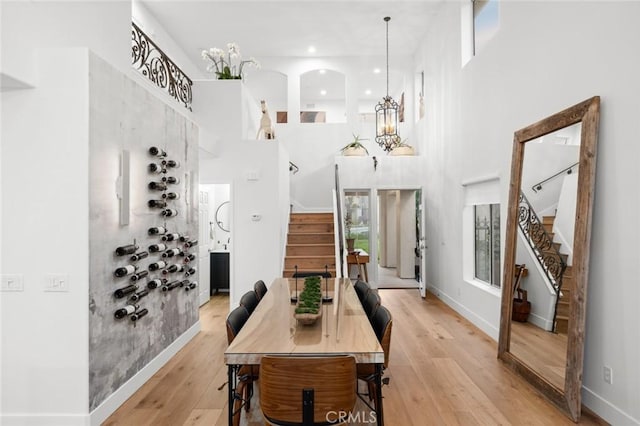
357 206
487 243
486 22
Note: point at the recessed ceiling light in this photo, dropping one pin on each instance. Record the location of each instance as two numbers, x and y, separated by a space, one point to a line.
376 70
322 71
323 92
367 92
311 49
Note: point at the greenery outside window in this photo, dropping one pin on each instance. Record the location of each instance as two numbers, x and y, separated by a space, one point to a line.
487 243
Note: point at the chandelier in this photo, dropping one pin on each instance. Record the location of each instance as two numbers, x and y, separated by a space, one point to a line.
387 113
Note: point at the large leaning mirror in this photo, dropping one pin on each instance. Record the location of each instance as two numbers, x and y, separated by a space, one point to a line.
547 252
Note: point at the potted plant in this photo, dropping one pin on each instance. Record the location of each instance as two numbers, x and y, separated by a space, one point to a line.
355 147
402 148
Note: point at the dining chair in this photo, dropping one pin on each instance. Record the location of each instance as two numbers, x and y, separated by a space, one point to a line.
260 288
371 303
249 300
362 288
247 374
307 390
381 323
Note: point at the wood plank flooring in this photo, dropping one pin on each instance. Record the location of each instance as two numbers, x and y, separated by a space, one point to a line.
443 371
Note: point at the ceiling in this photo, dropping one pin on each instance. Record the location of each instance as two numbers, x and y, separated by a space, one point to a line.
273 29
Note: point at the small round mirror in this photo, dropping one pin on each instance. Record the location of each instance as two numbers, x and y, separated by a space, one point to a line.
222 216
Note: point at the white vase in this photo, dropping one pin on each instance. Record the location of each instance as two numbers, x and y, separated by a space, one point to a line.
351 152
402 150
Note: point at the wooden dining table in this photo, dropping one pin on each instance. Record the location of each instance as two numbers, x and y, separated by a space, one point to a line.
343 329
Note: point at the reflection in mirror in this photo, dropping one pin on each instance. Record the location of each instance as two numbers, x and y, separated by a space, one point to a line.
547 252
270 86
222 216
322 97
544 248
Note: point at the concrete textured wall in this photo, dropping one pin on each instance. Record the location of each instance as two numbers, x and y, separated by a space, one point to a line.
125 116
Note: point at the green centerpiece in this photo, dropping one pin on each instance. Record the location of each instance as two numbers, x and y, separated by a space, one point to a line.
309 307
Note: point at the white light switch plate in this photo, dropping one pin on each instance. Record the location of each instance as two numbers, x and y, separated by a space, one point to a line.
12 282
56 282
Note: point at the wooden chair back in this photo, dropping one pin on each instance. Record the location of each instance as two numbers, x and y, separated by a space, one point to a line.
283 379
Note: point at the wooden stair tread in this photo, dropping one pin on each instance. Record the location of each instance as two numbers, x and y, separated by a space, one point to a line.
548 219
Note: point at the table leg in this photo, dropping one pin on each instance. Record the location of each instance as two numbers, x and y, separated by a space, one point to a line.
232 390
379 410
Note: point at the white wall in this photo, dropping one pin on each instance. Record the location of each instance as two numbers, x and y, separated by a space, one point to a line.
563 225
45 226
521 76
255 170
103 26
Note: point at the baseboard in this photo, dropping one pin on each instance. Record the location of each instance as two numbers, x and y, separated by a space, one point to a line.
116 399
476 320
541 322
29 419
606 410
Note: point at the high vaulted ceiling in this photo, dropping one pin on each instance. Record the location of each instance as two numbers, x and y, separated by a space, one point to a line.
287 28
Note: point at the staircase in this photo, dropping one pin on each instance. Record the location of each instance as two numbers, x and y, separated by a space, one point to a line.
562 312
310 244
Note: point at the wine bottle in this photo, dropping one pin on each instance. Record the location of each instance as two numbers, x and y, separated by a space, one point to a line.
139 295
170 237
184 238
153 248
184 283
171 285
169 212
158 186
122 292
157 230
170 163
156 283
137 315
139 275
125 270
138 256
128 249
171 252
190 271
173 268
191 286
170 179
191 243
171 195
157 265
157 152
189 258
157 168
157 204
123 312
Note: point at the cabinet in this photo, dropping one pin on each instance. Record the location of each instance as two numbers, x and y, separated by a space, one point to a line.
219 271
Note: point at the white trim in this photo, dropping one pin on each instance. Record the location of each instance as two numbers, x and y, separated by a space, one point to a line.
117 398
29 419
485 286
481 179
605 409
468 314
299 208
541 322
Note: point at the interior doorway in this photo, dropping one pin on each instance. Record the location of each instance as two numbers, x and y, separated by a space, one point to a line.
400 239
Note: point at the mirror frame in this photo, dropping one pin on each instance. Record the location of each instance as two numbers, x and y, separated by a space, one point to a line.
587 112
218 222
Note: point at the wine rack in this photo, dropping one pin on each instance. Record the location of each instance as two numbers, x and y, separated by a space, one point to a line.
170 265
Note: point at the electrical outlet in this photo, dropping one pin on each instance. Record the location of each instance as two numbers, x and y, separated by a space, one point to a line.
57 282
12 282
608 375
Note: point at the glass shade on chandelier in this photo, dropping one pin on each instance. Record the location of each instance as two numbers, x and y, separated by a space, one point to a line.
387 124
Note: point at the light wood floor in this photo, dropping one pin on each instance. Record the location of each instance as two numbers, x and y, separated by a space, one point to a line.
443 371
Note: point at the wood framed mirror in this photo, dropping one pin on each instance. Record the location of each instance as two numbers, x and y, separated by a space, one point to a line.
546 262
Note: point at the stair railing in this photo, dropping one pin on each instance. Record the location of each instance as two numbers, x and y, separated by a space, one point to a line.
538 186
541 243
340 224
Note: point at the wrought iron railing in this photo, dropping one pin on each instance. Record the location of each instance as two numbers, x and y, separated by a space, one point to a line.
154 64
541 243
568 170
